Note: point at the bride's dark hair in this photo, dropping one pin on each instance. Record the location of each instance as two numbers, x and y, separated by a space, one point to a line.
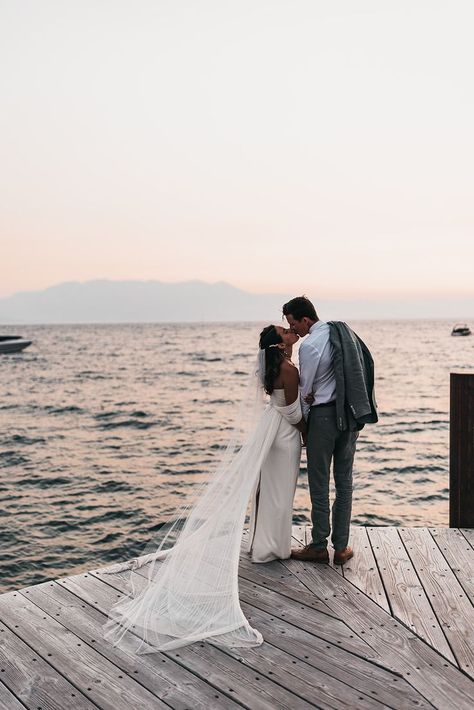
273 356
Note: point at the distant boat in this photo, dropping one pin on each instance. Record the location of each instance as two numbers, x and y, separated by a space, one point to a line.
13 343
461 329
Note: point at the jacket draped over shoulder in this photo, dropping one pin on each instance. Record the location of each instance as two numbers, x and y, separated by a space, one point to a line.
355 376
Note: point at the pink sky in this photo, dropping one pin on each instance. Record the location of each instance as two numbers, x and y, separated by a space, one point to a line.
273 144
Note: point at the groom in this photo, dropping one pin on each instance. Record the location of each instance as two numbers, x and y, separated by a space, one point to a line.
336 377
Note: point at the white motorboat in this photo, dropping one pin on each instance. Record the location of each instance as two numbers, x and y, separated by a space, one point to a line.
13 343
461 329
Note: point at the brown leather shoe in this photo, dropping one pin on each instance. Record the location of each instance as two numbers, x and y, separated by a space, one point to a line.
341 556
311 554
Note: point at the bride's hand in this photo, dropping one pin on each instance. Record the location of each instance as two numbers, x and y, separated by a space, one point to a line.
309 399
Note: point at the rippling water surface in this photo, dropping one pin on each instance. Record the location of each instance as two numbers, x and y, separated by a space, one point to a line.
104 431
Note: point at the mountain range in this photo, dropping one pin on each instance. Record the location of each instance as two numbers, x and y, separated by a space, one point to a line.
104 301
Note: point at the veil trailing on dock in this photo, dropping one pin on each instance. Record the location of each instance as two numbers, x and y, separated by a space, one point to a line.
186 589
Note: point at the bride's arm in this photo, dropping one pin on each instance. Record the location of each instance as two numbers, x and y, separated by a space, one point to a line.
291 381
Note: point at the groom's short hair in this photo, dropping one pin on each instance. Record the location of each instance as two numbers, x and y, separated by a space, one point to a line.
300 307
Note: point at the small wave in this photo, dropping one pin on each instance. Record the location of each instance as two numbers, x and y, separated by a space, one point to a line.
59 525
71 409
203 358
405 470
129 423
39 482
417 428
105 539
365 446
11 458
373 520
442 495
90 375
26 440
183 471
112 486
114 515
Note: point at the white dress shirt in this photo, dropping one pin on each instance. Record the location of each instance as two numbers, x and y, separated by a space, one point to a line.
316 368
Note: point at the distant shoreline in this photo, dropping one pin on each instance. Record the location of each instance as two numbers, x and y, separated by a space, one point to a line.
26 324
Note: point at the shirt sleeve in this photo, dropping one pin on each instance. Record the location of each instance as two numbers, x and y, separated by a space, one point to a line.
309 358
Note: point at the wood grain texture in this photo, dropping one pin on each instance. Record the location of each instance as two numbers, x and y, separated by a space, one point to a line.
439 682
287 585
453 610
30 677
100 681
468 534
8 701
459 554
167 680
362 569
304 680
332 637
406 595
212 664
360 674
312 620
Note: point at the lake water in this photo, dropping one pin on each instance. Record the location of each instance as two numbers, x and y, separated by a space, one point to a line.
105 429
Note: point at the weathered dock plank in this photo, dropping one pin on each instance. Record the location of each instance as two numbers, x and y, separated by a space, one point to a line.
325 627
315 686
332 685
210 663
468 534
332 639
301 534
271 572
362 569
286 585
99 680
459 554
438 681
168 680
406 595
363 676
31 679
8 701
452 607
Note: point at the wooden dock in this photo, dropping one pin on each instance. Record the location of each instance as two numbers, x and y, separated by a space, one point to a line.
393 629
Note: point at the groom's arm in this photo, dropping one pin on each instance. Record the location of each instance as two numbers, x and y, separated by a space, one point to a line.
309 361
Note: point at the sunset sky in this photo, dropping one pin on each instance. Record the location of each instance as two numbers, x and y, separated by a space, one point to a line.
279 145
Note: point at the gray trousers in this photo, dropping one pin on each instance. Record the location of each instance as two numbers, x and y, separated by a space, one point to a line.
324 443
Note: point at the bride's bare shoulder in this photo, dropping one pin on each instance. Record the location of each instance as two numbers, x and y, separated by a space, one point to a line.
289 370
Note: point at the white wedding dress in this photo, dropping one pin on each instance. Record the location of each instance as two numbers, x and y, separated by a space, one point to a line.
272 499
189 592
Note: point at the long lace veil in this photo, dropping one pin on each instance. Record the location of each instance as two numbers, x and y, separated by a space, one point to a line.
185 587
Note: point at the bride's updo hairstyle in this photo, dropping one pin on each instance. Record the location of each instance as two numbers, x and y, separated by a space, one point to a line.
269 338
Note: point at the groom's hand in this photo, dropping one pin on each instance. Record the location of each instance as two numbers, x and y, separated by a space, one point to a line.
309 399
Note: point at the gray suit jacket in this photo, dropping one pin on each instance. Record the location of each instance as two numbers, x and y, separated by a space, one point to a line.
354 372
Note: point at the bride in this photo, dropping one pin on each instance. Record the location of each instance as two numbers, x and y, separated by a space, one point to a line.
272 500
186 590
